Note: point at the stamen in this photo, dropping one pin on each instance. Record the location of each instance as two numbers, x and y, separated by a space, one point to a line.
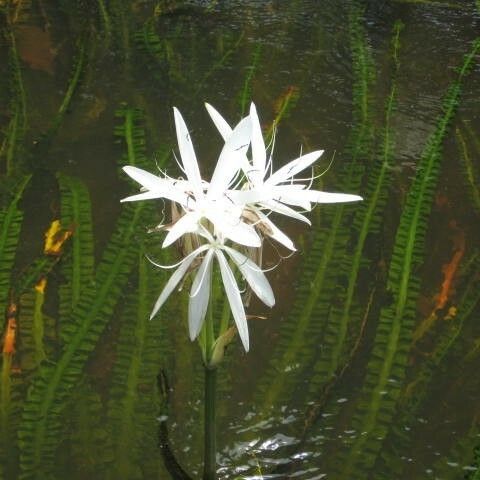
178 163
195 253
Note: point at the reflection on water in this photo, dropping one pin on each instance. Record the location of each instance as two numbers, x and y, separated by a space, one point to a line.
367 366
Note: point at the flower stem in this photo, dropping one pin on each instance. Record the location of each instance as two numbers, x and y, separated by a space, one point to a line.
210 452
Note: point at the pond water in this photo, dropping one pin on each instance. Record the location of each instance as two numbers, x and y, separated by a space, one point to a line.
367 366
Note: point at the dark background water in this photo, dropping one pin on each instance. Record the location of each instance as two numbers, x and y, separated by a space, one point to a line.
273 408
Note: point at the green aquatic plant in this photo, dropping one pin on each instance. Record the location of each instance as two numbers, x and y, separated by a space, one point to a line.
367 221
11 218
283 106
418 385
305 326
52 387
133 396
78 265
10 148
28 327
475 474
227 52
246 92
472 177
148 42
388 361
105 17
86 444
32 327
78 68
133 399
121 27
42 265
460 457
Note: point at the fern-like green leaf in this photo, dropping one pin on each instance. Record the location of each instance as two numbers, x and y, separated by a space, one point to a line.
10 225
367 220
419 384
78 265
78 67
459 462
52 388
386 368
472 177
140 350
86 450
246 92
302 331
24 348
12 144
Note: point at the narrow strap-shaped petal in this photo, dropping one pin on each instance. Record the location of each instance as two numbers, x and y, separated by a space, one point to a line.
278 207
222 126
234 299
199 296
243 234
143 196
317 196
189 159
175 279
186 224
157 187
253 275
234 228
291 197
292 168
231 159
170 194
259 155
244 197
146 179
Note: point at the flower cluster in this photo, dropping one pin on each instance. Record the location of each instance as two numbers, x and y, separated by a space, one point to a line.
229 213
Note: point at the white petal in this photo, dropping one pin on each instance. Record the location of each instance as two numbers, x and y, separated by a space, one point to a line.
234 228
231 159
243 234
143 196
187 153
222 126
244 197
186 224
199 296
327 197
254 276
157 187
175 278
171 194
278 207
292 168
146 179
234 299
259 155
293 197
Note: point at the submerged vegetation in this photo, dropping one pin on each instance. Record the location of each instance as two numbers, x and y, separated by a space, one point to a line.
378 336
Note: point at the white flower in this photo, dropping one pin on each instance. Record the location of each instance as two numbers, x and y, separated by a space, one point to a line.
279 191
233 206
201 200
201 285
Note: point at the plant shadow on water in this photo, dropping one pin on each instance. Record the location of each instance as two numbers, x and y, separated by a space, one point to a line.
367 366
